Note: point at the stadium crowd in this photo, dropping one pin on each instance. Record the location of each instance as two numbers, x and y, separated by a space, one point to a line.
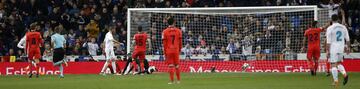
87 20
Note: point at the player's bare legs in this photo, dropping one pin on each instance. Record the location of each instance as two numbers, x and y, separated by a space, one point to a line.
341 69
104 67
37 67
328 68
177 70
30 66
316 64
61 68
134 65
141 64
66 64
171 73
34 64
137 65
113 65
334 70
311 65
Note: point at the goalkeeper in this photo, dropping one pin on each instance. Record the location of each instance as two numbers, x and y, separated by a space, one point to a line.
131 64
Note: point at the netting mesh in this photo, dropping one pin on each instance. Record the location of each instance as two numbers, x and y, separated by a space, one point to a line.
241 33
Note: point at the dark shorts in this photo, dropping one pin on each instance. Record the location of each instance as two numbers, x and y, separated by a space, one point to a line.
58 54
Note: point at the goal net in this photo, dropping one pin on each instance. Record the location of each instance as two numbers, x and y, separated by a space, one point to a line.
229 33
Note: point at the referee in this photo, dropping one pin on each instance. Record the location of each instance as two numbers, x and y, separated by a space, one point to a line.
58 44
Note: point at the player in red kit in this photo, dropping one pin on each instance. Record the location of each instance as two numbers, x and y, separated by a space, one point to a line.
312 35
172 43
140 49
33 44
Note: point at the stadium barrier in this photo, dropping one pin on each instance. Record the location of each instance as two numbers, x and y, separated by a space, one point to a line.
18 68
224 57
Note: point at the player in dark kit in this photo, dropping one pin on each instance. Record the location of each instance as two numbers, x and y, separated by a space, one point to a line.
312 35
172 41
33 44
140 49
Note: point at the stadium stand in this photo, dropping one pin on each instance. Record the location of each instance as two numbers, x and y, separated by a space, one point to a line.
84 19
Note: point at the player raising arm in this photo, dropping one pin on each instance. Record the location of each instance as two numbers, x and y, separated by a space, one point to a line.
172 43
336 37
312 35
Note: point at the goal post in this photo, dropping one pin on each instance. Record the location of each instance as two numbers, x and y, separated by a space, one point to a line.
208 31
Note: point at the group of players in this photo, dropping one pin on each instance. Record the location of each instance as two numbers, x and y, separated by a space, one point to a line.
172 39
337 42
336 37
31 44
172 43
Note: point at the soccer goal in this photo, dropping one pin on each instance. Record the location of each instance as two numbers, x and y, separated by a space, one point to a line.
270 32
230 34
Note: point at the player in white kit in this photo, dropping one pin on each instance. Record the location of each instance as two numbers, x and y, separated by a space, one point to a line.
109 51
336 37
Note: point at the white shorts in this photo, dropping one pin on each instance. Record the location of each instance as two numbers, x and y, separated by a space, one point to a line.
110 54
336 57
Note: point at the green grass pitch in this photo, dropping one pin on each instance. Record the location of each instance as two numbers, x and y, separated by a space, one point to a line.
189 81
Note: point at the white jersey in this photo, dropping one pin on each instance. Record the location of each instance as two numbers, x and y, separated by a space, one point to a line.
109 46
336 35
92 48
333 9
22 42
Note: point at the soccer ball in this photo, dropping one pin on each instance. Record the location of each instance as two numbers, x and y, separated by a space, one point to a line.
245 66
152 69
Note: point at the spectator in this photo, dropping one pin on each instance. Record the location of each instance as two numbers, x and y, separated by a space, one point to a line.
87 19
355 34
20 56
335 9
288 53
92 29
288 39
47 55
247 46
187 51
77 49
258 53
355 47
11 52
149 3
71 35
215 52
203 49
80 32
231 47
91 46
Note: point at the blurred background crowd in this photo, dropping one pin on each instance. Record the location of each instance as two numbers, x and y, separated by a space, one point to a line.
86 20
